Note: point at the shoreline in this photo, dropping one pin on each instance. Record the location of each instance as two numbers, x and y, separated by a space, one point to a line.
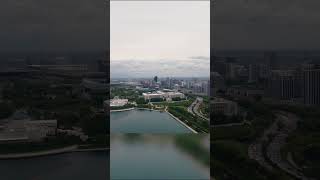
121 110
68 149
177 119
133 108
147 109
90 149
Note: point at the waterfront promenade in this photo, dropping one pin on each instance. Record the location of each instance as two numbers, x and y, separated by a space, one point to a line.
121 110
177 119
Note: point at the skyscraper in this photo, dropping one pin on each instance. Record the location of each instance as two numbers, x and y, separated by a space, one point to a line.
282 84
311 84
271 59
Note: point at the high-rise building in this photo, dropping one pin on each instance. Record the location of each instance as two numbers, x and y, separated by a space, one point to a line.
264 71
271 60
217 83
311 84
231 71
253 73
282 84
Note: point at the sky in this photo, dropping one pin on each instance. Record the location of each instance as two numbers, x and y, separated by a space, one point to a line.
266 24
163 38
52 25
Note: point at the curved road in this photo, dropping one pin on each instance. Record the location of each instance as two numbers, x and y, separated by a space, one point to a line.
194 107
289 121
273 151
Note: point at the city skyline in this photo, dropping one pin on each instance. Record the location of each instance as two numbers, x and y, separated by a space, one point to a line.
164 68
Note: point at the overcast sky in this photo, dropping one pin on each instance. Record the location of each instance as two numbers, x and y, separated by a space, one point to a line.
266 24
164 38
52 25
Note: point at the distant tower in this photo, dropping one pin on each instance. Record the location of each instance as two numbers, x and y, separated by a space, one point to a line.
271 59
155 79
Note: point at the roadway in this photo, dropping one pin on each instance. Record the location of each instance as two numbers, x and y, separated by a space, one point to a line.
194 108
273 150
279 140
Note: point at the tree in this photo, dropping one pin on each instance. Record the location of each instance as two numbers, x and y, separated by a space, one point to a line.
68 118
96 125
5 110
140 101
176 99
257 98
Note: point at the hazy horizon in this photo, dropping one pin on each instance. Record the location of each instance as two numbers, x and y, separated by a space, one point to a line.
162 77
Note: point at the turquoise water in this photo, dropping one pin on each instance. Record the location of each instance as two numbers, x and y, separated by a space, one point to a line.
145 121
153 157
77 165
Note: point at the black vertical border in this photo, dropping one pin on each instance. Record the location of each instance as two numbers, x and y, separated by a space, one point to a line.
212 57
107 58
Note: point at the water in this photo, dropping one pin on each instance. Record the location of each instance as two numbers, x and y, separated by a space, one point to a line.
77 165
145 121
153 157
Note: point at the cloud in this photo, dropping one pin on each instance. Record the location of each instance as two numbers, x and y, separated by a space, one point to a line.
266 24
200 58
159 29
162 68
52 25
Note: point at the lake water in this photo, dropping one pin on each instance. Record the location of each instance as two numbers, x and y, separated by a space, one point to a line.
153 157
77 165
145 121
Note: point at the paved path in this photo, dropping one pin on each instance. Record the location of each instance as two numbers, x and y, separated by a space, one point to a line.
184 124
121 110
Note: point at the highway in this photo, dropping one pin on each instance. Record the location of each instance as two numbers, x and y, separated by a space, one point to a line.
194 108
273 150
